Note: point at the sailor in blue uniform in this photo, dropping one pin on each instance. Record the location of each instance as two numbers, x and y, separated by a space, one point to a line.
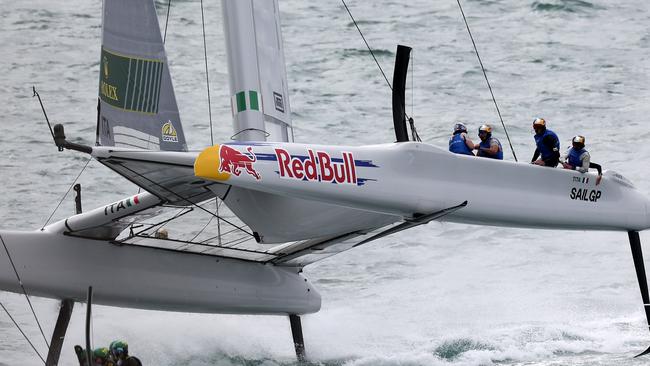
578 158
489 147
548 145
459 143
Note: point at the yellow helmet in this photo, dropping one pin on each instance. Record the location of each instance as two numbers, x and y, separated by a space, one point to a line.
485 128
539 122
578 139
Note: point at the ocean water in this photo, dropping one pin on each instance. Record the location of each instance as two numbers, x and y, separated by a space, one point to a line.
441 294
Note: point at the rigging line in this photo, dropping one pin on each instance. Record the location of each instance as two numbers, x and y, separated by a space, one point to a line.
21 331
43 109
207 75
169 6
20 282
218 220
367 45
216 202
371 53
412 82
66 193
185 199
160 225
216 237
486 79
414 131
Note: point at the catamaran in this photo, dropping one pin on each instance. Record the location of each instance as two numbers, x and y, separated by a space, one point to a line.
297 203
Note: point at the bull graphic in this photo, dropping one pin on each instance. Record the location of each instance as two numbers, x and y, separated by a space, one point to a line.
231 160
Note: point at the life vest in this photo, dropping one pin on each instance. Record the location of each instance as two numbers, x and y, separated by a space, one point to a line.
457 145
574 157
486 144
547 152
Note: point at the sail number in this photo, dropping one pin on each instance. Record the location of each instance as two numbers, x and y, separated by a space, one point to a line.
584 194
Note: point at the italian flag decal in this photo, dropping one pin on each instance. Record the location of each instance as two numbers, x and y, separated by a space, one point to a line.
245 100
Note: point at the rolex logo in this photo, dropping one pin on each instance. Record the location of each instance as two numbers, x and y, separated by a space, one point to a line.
105 64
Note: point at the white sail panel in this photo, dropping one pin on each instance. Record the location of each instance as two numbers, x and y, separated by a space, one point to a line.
137 102
256 65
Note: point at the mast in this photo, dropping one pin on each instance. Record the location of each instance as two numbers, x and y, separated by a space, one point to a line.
256 67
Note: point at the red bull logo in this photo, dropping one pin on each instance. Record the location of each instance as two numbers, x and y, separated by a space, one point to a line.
317 166
232 160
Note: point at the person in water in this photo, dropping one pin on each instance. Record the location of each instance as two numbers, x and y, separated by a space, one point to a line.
548 145
100 356
120 354
578 158
489 147
459 142
117 354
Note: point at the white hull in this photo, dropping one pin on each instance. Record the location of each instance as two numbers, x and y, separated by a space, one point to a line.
407 179
58 266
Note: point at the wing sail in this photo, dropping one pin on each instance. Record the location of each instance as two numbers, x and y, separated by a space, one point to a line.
137 105
256 67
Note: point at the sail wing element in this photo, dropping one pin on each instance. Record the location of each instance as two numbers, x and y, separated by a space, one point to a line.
258 80
137 105
168 175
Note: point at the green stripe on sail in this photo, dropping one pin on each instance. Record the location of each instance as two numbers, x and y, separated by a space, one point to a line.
130 83
157 87
253 98
241 101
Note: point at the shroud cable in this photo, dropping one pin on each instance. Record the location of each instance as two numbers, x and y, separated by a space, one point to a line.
486 80
20 282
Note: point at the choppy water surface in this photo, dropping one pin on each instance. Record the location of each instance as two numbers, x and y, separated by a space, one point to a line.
443 294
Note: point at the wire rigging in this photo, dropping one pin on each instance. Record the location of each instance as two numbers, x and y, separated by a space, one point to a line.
169 6
486 79
43 109
20 282
21 331
412 82
188 201
414 131
367 45
207 75
218 220
415 137
66 193
216 214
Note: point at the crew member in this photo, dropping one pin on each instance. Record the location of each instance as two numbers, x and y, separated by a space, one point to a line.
578 158
100 356
548 145
489 147
459 142
120 354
